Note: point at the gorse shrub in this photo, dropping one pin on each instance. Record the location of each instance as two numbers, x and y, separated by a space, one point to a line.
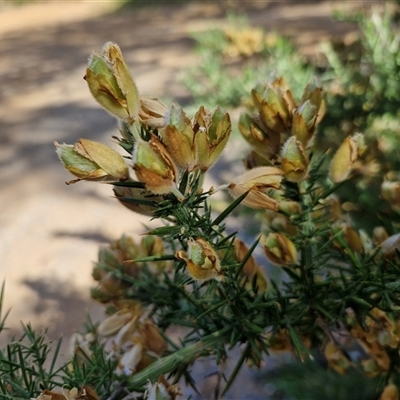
361 81
340 297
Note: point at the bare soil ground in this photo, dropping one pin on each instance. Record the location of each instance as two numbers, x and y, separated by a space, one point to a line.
50 232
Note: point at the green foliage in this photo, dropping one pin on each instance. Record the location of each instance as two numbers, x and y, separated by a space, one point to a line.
26 365
310 381
365 74
98 372
23 366
360 80
233 59
362 96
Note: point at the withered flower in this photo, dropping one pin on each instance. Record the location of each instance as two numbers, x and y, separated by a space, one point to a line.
279 249
92 161
353 239
294 160
390 392
120 257
345 157
130 360
274 101
390 191
152 112
86 393
257 182
178 137
379 332
80 344
111 83
155 168
211 133
154 246
151 337
201 259
336 359
308 114
390 245
115 322
138 200
262 141
251 270
162 390
379 235
195 144
280 341
244 42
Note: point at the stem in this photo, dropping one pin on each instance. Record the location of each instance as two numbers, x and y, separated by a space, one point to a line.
183 356
200 182
219 188
175 191
237 368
